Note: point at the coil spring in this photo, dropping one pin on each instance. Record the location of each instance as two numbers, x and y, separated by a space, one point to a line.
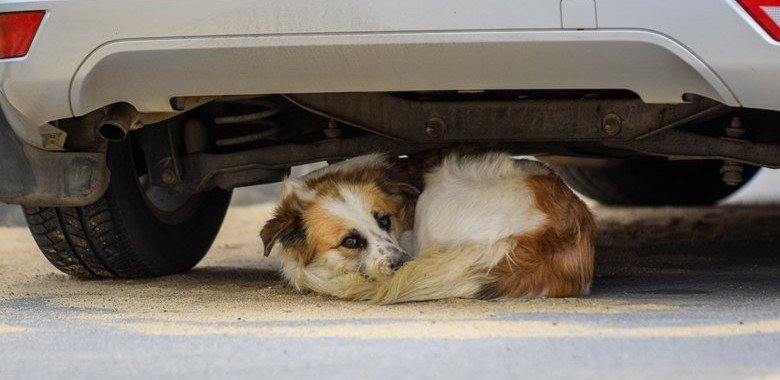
255 119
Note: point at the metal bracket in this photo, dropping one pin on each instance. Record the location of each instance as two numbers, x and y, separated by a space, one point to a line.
271 164
683 145
417 121
159 144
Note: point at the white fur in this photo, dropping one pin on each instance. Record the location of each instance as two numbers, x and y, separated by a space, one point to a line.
292 186
479 199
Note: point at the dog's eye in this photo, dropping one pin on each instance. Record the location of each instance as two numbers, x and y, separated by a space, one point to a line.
384 222
353 241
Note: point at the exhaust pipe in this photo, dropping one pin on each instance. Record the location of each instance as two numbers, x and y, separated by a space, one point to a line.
120 119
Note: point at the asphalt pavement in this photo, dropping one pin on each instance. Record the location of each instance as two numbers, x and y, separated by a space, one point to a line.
680 293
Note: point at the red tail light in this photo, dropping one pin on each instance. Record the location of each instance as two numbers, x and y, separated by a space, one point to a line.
17 30
766 13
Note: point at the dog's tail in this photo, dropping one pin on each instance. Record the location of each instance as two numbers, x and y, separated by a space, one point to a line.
437 273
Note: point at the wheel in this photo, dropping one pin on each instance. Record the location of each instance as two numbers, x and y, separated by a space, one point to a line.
652 182
133 230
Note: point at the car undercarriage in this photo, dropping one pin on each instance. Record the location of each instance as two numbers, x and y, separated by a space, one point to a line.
238 141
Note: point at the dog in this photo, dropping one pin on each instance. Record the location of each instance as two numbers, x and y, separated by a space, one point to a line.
484 226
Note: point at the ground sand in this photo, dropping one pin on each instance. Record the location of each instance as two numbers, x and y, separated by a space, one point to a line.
237 291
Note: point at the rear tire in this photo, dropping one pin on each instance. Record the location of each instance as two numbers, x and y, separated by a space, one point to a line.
652 182
126 234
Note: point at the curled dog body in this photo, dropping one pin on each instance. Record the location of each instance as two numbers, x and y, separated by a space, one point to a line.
485 226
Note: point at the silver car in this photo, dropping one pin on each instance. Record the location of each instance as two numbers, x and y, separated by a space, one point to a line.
125 124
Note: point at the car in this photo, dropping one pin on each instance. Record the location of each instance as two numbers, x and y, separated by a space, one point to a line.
126 124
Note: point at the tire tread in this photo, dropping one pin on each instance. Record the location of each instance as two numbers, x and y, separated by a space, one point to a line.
83 241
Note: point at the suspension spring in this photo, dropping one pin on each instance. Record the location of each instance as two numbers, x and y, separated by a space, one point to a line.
258 118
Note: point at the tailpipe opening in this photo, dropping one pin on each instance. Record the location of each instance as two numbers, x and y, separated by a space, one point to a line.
112 132
120 119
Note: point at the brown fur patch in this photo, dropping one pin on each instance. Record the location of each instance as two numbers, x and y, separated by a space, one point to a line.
558 258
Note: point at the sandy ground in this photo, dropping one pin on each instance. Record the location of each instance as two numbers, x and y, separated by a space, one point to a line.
684 293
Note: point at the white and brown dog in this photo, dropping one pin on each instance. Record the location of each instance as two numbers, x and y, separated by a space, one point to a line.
486 226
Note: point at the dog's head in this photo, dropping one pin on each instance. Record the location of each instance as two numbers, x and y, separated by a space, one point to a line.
345 218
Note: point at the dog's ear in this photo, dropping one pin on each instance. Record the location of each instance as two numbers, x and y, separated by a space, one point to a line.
409 194
285 226
405 189
297 188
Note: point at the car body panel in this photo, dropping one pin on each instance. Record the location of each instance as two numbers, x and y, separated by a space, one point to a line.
719 32
74 31
90 54
399 61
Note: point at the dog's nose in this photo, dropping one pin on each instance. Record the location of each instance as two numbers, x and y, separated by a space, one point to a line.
397 264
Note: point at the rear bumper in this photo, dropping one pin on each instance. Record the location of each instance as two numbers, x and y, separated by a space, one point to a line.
37 177
414 61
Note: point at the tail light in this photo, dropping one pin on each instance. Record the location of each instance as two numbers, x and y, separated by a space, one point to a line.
766 13
17 30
